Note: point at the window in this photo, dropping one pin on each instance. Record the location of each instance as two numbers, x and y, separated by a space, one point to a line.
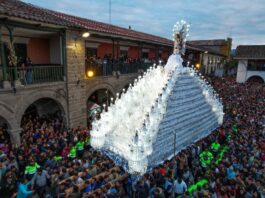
256 65
21 52
91 56
145 55
91 52
123 54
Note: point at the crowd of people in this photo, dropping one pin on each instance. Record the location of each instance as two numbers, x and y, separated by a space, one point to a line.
123 65
53 161
228 163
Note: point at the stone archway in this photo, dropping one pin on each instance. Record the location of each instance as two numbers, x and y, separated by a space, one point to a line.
255 78
44 106
101 86
101 96
45 109
28 100
7 117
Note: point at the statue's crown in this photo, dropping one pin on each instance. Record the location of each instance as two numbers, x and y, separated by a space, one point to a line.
180 34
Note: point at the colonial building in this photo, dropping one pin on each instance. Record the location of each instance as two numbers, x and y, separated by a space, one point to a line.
251 62
71 62
216 53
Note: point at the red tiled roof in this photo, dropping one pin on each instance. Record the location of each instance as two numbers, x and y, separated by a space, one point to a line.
250 52
204 49
208 42
19 9
111 29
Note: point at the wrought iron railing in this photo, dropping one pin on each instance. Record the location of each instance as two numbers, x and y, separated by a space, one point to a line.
54 73
36 74
107 69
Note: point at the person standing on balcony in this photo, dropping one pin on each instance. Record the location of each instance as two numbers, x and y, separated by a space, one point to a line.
23 71
99 66
105 64
28 65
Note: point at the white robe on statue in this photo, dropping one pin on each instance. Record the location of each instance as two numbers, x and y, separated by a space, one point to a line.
173 62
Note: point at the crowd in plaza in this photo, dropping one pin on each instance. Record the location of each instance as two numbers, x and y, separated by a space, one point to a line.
53 161
228 163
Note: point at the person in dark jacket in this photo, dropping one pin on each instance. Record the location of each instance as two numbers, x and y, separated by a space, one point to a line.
141 189
158 177
40 181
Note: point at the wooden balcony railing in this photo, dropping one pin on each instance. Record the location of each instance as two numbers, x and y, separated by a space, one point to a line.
36 74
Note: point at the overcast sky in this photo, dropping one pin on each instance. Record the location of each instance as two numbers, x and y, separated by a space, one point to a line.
243 20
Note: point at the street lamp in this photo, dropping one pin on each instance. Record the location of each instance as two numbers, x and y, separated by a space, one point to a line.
85 34
90 73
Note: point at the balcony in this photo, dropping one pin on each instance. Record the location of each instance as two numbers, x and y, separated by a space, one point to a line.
36 74
118 68
30 57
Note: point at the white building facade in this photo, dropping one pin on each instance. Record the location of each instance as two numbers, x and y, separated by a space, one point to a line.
251 62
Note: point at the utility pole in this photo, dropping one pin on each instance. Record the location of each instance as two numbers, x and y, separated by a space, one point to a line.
175 143
109 11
